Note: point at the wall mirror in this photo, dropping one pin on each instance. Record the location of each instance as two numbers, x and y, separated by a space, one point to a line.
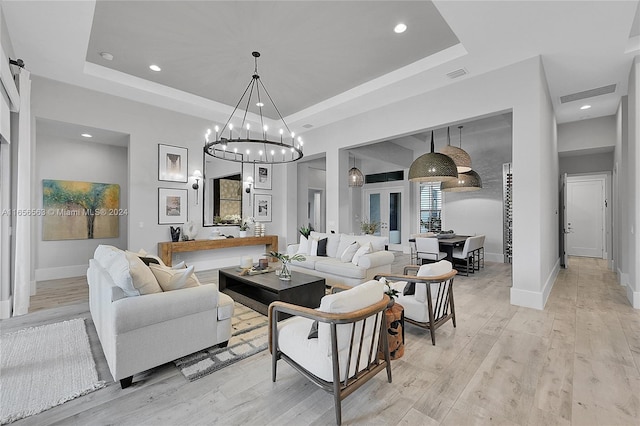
222 192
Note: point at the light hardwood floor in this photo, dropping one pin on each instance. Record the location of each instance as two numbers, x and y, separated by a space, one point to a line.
576 362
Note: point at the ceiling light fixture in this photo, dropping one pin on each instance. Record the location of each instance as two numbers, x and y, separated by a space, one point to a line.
155 68
259 147
433 167
585 107
86 135
400 28
468 181
356 178
458 155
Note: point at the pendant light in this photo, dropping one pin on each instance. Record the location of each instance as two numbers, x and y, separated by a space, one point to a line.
356 178
433 167
468 181
458 155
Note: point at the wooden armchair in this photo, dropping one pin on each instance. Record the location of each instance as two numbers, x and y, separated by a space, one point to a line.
430 303
350 331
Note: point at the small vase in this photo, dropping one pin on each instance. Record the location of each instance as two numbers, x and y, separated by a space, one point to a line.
243 234
285 273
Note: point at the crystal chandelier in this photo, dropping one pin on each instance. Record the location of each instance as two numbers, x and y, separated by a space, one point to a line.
242 144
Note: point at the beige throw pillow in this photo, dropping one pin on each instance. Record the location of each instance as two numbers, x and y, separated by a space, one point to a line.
174 279
141 276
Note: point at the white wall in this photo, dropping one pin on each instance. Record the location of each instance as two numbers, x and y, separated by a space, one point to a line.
481 212
149 126
63 159
587 163
633 289
585 135
519 88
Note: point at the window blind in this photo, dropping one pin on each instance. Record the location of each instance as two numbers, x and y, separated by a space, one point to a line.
430 207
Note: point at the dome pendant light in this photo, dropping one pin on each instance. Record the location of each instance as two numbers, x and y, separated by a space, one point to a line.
458 155
356 178
433 167
468 181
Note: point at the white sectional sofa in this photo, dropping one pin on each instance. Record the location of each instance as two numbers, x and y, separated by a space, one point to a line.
140 326
333 267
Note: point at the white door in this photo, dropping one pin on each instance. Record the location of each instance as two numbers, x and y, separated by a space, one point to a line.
385 206
585 217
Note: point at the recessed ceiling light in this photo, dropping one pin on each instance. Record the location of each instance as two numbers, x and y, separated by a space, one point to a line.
400 28
585 107
106 55
86 135
260 104
155 68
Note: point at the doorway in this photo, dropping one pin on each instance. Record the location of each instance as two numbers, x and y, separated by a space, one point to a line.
385 207
586 216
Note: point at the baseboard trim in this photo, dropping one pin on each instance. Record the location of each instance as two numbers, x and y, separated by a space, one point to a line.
43 274
634 297
5 308
551 280
494 257
536 299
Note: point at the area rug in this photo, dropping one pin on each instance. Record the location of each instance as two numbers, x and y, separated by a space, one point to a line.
249 336
41 367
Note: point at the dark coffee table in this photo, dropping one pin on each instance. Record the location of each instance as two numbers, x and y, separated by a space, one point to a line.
258 291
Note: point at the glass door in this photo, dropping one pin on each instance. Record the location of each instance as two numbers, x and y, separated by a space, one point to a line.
385 207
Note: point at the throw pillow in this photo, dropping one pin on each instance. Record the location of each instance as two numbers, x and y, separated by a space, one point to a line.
322 247
409 289
174 279
141 276
148 260
303 248
313 333
313 246
361 251
180 265
349 252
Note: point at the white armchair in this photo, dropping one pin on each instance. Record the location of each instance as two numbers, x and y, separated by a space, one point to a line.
427 297
349 329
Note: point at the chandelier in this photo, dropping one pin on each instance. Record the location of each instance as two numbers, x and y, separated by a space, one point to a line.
242 144
356 178
458 155
433 167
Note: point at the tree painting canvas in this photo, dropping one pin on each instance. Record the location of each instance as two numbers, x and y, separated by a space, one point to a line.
80 210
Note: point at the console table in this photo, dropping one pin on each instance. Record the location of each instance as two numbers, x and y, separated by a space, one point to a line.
166 249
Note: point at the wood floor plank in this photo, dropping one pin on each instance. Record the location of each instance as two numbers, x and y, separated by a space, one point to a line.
576 362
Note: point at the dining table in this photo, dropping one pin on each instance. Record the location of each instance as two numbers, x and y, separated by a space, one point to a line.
446 245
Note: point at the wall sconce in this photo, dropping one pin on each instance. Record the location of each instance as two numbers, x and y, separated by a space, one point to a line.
249 184
197 175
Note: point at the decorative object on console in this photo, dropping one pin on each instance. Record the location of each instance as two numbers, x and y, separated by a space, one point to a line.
433 167
305 231
259 147
189 231
458 155
172 163
286 259
172 206
197 175
175 233
259 229
248 184
356 178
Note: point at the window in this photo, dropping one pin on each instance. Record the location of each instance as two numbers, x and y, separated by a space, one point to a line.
430 207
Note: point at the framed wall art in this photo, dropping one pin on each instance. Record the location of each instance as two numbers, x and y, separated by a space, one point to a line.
262 176
172 206
172 163
74 210
262 207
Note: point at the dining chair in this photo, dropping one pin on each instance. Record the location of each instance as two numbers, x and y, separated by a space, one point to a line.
428 249
464 256
335 346
481 252
427 296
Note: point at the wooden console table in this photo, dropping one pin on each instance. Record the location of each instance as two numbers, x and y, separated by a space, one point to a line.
166 249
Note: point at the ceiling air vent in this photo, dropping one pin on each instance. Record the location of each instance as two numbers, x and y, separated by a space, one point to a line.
588 93
457 73
307 126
